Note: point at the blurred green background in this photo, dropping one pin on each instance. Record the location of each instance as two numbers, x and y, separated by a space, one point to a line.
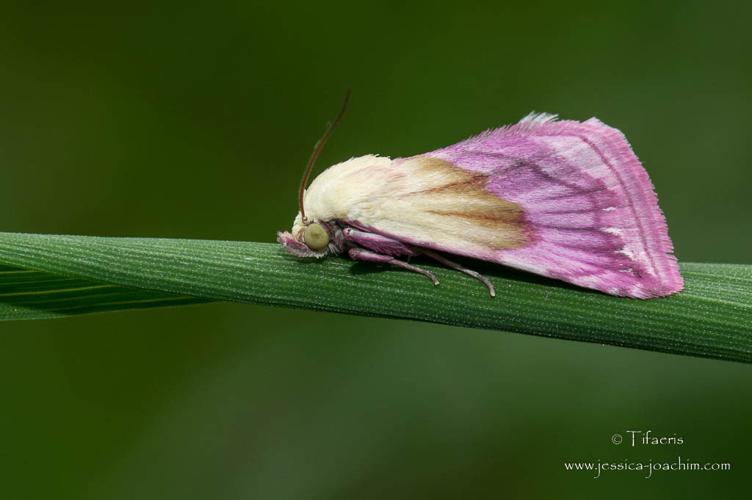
193 120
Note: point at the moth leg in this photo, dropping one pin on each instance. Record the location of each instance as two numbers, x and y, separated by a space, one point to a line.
440 258
377 243
368 256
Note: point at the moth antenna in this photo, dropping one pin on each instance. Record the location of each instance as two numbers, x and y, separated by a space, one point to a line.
317 151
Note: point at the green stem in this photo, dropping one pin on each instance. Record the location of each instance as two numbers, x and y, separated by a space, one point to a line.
712 317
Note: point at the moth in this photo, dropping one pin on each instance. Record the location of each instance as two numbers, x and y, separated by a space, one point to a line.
564 199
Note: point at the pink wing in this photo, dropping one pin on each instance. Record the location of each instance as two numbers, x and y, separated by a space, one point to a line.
590 210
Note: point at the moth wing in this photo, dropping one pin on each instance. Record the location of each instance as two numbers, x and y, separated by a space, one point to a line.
563 199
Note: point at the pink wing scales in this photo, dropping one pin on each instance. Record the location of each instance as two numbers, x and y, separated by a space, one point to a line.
591 213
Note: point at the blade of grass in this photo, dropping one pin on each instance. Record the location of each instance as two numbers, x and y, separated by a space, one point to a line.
712 317
29 294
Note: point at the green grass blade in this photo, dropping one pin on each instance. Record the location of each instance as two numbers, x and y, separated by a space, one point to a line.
712 317
29 294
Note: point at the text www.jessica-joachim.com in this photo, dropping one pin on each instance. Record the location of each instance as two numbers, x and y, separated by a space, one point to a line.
597 468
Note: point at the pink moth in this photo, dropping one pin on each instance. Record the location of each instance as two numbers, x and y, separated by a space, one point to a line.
563 199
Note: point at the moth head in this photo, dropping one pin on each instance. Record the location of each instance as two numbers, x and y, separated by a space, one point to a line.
311 238
307 239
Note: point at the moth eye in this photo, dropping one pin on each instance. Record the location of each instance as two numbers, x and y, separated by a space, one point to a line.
316 237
